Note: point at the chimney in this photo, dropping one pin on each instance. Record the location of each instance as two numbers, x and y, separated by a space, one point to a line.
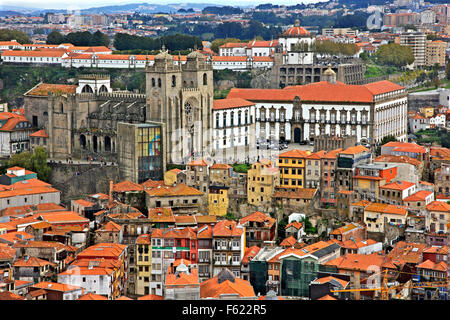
110 193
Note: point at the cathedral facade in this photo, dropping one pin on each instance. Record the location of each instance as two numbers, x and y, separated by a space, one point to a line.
181 97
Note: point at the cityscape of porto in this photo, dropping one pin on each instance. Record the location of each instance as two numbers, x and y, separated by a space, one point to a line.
233 152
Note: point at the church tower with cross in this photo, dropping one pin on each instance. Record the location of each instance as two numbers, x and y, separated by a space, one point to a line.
180 94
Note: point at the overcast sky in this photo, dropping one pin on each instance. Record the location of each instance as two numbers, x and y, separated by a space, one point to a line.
82 4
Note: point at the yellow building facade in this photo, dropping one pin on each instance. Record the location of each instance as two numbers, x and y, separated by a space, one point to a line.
143 264
262 179
218 201
291 166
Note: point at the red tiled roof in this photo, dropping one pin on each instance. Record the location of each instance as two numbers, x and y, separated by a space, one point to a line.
386 208
55 286
258 217
151 297
231 103
297 225
250 253
127 186
288 242
440 206
227 228
92 296
199 162
357 262
295 153
418 196
44 89
398 185
212 289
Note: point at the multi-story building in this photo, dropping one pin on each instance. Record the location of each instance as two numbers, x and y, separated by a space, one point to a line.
218 200
181 198
378 215
228 246
262 179
301 112
143 264
328 167
205 252
259 227
300 266
33 269
169 245
395 192
197 173
437 217
15 133
108 251
347 161
234 127
182 282
435 53
292 169
419 200
368 178
417 42
312 172
408 169
442 179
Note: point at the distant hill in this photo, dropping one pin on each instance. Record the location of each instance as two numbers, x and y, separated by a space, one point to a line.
9 13
125 8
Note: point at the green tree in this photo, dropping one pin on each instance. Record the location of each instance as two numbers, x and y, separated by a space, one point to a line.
393 54
281 231
36 162
19 36
100 39
39 163
218 42
447 71
55 37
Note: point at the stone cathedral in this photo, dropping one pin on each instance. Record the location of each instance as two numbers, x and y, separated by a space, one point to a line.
181 97
82 120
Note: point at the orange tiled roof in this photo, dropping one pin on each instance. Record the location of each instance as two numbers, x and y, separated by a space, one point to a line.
6 295
44 89
258 217
332 154
84 203
212 289
355 150
205 232
55 286
407 252
161 215
199 162
63 217
87 271
295 224
327 297
299 193
27 191
106 250
151 297
31 262
92 296
7 253
343 283
288 242
398 185
428 264
250 253
201 219
111 226
230 103
127 186
386 208
123 298
185 220
13 237
152 183
440 206
182 279
222 166
39 133
172 191
418 196
344 229
397 159
34 53
227 228
295 153
357 262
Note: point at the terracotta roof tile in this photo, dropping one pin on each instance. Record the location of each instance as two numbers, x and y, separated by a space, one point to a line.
92 296
227 228
440 206
258 217
250 253
230 103
127 186
44 89
299 193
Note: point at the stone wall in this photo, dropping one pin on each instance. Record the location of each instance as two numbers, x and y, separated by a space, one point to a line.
78 180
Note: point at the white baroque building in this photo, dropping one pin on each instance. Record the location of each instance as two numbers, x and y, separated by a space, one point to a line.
299 113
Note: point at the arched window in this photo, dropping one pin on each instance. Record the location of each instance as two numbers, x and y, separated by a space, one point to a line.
174 81
87 88
153 82
217 120
107 144
103 88
159 82
205 79
61 107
